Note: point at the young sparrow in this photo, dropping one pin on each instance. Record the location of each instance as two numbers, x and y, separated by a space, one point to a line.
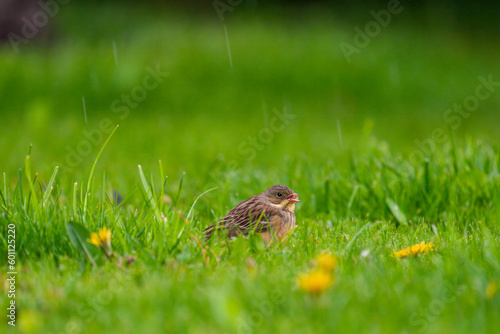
270 213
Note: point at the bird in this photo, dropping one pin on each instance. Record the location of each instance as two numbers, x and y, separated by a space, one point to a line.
271 213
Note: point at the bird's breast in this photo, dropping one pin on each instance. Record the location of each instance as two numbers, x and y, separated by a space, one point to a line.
290 207
284 222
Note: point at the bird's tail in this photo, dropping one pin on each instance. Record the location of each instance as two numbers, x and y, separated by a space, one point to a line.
208 233
220 227
210 230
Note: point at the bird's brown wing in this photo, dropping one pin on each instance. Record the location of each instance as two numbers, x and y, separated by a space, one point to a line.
249 215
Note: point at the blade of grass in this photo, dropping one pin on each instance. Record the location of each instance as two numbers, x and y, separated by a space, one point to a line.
92 171
179 190
5 186
351 242
78 235
351 199
396 211
49 188
27 171
149 194
162 186
196 200
75 186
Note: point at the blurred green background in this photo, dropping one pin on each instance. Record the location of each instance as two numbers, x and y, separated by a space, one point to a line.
282 56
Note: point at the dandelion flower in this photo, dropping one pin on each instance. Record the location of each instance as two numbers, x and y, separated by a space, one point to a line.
414 250
492 289
326 262
102 239
315 282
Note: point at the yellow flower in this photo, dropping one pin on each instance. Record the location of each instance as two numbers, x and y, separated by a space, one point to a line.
414 250
326 262
315 282
492 289
102 239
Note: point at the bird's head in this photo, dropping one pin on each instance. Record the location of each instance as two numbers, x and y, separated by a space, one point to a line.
282 197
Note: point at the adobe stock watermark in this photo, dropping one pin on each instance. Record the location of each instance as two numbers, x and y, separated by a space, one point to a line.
222 7
11 274
265 309
265 136
254 144
372 29
121 106
454 117
422 318
32 25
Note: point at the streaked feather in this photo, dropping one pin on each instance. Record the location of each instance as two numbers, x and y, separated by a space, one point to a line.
257 213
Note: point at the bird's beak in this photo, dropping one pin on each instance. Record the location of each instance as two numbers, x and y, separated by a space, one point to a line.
293 198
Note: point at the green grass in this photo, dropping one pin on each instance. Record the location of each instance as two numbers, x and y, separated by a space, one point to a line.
346 152
174 285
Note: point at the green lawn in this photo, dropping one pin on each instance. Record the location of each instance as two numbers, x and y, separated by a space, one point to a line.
378 161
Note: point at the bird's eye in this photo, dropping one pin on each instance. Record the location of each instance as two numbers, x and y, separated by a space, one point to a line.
279 195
